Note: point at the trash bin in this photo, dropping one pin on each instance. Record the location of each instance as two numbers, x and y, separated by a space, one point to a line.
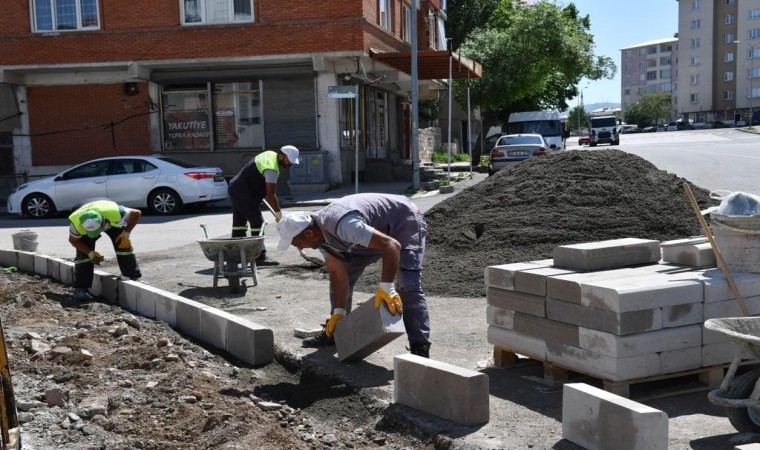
25 240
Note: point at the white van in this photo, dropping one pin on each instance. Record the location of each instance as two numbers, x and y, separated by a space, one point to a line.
545 123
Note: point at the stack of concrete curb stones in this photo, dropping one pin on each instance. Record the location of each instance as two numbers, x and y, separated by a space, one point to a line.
621 311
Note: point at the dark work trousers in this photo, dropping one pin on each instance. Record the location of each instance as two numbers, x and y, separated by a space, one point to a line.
408 283
246 216
84 268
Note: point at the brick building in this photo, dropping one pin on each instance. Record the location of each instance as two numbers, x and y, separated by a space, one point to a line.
216 82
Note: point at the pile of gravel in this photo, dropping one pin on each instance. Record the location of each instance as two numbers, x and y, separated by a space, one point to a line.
523 212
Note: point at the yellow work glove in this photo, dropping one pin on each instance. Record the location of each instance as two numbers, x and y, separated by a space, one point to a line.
95 257
123 241
387 293
338 313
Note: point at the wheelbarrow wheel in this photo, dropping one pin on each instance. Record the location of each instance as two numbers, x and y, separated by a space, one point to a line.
745 420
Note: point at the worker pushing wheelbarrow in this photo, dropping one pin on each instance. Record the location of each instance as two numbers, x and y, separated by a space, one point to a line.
740 395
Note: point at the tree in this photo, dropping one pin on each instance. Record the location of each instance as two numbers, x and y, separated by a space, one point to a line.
533 56
650 109
578 118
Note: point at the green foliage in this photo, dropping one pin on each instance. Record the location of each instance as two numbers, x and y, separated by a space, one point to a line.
443 157
578 118
651 109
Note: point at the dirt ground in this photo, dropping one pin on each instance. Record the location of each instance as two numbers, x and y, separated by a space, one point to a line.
93 376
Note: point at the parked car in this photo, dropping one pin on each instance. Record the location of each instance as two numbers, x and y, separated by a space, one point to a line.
513 148
584 139
672 126
161 184
650 129
681 126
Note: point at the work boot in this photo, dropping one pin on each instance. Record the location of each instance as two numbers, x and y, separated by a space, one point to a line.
320 340
420 349
82 294
264 260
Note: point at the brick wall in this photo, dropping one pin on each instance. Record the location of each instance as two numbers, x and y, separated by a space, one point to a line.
69 124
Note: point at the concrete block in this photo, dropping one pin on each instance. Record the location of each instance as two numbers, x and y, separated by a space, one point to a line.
533 281
500 317
41 264
250 342
213 326
718 353
637 293
602 366
730 308
607 254
713 337
599 319
502 276
147 298
188 314
694 252
516 301
674 361
717 289
8 258
365 330
546 329
166 308
641 343
597 419
25 261
66 271
54 268
568 287
128 292
97 282
516 342
418 383
681 315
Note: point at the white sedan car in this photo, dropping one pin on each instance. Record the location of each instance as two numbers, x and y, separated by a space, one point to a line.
513 148
161 184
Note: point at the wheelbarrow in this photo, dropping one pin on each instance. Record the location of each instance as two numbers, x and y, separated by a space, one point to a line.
740 395
233 258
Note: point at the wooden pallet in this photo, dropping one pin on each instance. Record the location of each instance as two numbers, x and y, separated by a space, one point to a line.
648 388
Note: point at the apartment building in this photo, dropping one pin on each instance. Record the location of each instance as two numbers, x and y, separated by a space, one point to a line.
718 77
217 81
648 67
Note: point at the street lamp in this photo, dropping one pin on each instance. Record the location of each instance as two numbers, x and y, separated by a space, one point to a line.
751 75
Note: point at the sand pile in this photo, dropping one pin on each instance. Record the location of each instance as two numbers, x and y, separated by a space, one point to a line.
523 212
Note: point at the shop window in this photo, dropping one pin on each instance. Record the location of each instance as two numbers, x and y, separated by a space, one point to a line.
65 15
185 117
237 115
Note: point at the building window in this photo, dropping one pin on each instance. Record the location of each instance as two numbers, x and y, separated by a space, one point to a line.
216 11
696 24
695 5
665 61
384 9
754 14
753 73
695 42
753 53
642 77
754 92
665 87
651 63
695 79
695 60
628 53
652 88
728 56
730 18
728 95
626 92
651 75
65 15
627 79
754 33
730 2
628 66
729 38
728 76
407 24
642 65
665 74
694 98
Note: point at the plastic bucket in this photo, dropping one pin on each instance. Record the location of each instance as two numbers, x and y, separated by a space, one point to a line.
738 239
25 240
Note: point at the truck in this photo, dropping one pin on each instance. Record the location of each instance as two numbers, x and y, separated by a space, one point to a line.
545 123
603 129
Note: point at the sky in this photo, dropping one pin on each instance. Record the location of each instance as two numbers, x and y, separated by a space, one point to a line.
616 24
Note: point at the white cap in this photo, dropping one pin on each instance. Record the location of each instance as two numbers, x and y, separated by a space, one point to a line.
291 152
291 226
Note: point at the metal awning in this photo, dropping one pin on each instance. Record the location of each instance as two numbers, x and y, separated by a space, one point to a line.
432 65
